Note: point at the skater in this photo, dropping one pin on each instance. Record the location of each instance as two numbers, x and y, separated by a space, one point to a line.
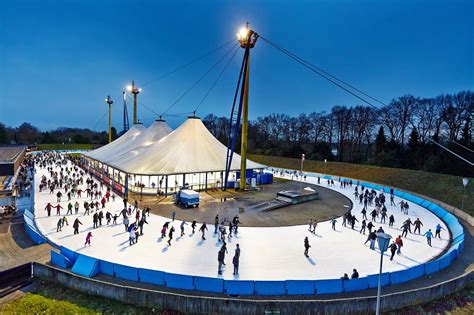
75 225
428 235
345 277
141 223
108 217
310 225
353 220
372 237
173 215
438 230
355 274
235 262
364 214
131 236
216 224
69 208
58 209
101 216
399 243
115 219
88 239
193 225
220 260
333 224
76 207
203 229
417 225
393 249
170 235
362 230
59 225
95 220
182 227
48 208
391 220
126 222
306 246
373 214
370 225
163 229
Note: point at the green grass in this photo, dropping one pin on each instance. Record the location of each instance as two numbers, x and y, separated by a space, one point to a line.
446 188
67 146
49 298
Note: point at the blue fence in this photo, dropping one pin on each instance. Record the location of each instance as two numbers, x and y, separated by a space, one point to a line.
88 266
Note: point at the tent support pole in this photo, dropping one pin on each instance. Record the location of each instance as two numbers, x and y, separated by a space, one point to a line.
205 183
184 179
166 186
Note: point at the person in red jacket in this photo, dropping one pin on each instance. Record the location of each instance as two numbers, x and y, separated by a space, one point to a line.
399 243
58 209
48 208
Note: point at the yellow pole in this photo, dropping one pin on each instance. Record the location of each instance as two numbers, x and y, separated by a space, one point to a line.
245 124
110 122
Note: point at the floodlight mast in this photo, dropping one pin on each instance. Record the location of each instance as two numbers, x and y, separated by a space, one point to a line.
110 102
135 91
247 39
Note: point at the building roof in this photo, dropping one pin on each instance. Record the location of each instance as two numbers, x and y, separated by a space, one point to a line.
191 148
9 154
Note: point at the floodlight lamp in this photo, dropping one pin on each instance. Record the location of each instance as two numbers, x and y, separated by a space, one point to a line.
129 88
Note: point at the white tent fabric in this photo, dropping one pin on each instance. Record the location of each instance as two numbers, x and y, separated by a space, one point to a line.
191 148
110 150
158 130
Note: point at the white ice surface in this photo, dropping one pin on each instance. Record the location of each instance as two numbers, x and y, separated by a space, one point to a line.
267 253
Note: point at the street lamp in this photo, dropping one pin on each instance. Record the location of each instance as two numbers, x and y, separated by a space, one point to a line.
301 173
135 91
465 181
325 163
383 240
247 39
110 102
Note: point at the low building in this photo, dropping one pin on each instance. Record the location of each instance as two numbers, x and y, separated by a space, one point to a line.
10 159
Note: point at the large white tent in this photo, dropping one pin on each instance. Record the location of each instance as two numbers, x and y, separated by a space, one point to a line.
104 153
189 155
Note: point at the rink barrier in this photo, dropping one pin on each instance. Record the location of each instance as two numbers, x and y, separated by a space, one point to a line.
356 284
270 287
60 260
208 284
86 266
89 267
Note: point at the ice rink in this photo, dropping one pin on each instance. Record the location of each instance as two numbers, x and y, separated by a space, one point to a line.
267 253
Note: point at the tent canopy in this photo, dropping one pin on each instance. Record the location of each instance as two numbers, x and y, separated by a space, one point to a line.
191 148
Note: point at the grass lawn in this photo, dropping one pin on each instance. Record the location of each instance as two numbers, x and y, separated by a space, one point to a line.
443 187
48 298
67 146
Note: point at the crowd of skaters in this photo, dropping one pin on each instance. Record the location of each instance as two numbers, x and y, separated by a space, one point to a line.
64 182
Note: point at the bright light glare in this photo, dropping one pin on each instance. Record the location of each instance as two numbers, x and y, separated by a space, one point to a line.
129 87
140 89
242 34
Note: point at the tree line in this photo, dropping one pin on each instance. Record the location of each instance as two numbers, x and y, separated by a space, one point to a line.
395 135
28 134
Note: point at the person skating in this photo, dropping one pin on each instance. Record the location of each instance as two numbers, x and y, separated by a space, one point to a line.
372 237
69 208
173 215
108 217
164 229
59 195
182 227
216 224
115 219
310 225
75 225
220 260
306 246
370 225
203 229
362 229
141 223
373 215
76 207
193 225
399 243
353 221
131 237
170 235
393 249
126 222
345 277
417 225
48 208
364 214
391 220
137 234
333 224
65 221
59 225
438 230
235 262
95 220
88 239
355 274
428 235
58 209
101 216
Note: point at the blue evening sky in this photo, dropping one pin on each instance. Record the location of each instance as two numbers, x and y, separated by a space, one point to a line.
60 58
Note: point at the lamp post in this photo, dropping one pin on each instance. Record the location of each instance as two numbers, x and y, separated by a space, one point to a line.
301 173
135 91
325 163
110 102
465 181
383 240
247 39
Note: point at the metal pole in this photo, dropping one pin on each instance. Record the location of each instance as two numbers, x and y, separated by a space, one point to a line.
379 287
245 122
135 120
110 122
463 195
